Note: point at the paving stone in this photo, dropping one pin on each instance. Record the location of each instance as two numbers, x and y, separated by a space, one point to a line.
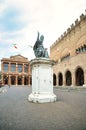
67 113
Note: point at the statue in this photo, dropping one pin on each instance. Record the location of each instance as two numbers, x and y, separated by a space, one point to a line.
39 49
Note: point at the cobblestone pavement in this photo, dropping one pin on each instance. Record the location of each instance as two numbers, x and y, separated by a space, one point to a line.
67 113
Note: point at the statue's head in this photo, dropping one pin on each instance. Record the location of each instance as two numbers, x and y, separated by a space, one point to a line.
41 38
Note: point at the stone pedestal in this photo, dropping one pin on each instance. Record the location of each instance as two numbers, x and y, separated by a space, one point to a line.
42 81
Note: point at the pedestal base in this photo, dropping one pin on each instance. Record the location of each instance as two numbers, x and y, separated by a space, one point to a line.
42 98
42 81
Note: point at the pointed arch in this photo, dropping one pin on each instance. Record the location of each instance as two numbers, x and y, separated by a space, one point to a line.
79 76
54 79
68 78
60 79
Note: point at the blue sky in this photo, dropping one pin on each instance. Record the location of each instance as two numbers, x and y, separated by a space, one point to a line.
20 20
9 20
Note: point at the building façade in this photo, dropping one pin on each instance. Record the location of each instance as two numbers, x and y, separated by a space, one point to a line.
69 53
15 71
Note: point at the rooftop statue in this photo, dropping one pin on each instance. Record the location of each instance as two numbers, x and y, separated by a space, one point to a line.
39 49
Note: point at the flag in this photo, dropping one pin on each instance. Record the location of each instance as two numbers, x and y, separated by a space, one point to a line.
15 46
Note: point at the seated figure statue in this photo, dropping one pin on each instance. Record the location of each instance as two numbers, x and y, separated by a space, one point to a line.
39 49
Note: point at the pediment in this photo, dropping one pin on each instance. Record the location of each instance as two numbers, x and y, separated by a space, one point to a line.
18 58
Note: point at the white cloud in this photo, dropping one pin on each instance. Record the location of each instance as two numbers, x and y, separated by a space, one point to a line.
50 17
2 8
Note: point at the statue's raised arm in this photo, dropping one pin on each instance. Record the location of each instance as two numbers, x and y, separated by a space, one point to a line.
38 48
38 36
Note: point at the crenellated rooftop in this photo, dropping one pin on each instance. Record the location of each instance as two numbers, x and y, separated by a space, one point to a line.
72 27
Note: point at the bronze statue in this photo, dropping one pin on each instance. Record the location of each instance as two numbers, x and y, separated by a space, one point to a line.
39 49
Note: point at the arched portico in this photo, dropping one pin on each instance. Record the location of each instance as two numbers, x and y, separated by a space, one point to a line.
19 80
60 79
68 78
13 80
26 81
54 79
79 75
5 79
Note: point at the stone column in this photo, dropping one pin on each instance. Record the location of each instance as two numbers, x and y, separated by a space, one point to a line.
84 78
16 80
64 80
57 80
2 80
22 80
73 79
9 80
29 78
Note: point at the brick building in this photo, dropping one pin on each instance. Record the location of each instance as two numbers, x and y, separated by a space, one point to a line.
15 71
69 52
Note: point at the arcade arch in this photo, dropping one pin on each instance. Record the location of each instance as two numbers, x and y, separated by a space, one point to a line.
68 78
60 79
54 79
19 80
75 78
5 80
25 80
79 76
13 80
